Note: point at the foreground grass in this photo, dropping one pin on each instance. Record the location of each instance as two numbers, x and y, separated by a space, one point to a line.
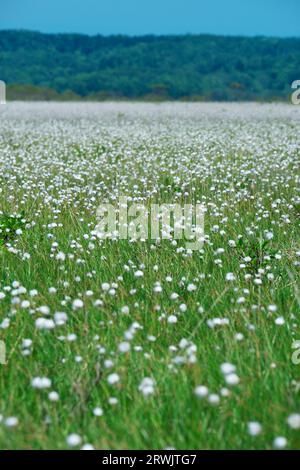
245 172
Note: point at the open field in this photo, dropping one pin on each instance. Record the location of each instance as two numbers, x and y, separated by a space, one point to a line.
84 321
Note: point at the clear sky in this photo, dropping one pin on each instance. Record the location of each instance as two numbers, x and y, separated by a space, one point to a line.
137 17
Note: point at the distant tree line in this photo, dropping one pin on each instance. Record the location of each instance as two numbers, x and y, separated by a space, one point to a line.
191 67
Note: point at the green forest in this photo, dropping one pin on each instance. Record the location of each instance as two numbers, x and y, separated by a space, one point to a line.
187 67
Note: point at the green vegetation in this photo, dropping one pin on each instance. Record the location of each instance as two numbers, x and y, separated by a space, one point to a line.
145 345
10 227
191 67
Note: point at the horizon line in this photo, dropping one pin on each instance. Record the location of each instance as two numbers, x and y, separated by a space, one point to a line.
153 35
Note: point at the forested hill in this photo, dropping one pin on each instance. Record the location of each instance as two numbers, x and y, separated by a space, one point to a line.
174 67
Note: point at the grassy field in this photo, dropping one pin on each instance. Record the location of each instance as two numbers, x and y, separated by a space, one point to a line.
146 345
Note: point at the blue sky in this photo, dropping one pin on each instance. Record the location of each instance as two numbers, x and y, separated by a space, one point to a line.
136 17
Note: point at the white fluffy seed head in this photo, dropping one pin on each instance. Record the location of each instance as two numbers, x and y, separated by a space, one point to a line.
113 378
254 428
232 379
227 368
74 440
201 391
294 421
97 411
41 382
279 442
77 303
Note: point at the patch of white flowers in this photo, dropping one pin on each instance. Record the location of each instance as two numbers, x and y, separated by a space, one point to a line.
149 323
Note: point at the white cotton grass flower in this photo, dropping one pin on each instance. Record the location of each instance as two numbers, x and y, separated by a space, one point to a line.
71 337
239 336
5 324
60 318
74 440
105 286
269 235
125 310
53 396
97 411
232 379
191 287
138 273
213 399
147 386
26 352
294 421
157 289
77 303
224 392
230 277
87 446
60 256
213 322
272 308
44 324
108 363
40 382
124 347
254 428
26 343
113 401
280 321
280 442
201 391
113 378
183 343
172 319
11 421
44 310
151 338
227 368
